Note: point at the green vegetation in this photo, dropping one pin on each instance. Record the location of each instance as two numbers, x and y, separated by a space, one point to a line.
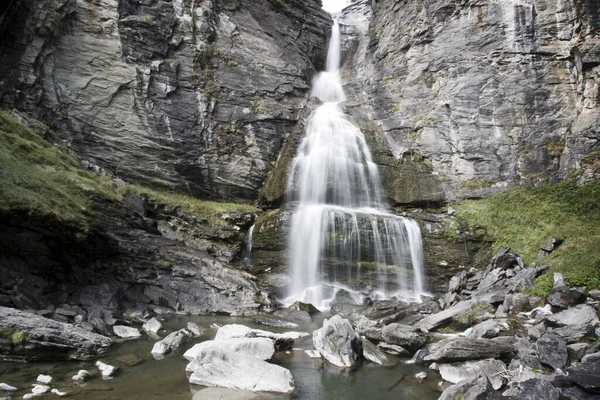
16 336
473 184
209 211
41 179
232 63
556 148
523 219
164 263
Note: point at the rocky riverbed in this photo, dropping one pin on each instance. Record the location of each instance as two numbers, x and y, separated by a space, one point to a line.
484 337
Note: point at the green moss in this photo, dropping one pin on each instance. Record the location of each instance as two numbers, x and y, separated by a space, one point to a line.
210 211
473 184
232 63
41 179
16 336
555 148
164 263
395 108
591 158
523 219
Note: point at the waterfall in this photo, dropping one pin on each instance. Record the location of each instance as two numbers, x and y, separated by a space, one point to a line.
342 234
248 248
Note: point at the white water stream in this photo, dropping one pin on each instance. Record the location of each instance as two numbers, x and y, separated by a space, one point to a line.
342 234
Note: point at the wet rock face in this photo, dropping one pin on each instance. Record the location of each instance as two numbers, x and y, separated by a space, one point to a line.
196 96
470 98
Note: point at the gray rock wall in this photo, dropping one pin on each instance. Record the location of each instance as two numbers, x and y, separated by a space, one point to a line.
196 96
480 95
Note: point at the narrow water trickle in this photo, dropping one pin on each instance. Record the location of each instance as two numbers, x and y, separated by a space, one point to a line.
342 232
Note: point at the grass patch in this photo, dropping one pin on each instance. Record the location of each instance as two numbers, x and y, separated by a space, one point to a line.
41 179
16 336
209 211
523 219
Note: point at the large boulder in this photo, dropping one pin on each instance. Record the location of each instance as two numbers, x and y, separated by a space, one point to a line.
337 342
471 389
552 350
30 337
170 342
490 368
488 329
582 314
403 335
462 349
260 348
224 368
373 353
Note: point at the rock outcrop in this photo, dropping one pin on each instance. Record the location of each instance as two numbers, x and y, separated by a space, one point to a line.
192 96
28 337
465 99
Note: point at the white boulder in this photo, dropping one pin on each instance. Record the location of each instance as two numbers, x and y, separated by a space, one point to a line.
153 325
260 348
224 368
337 342
126 332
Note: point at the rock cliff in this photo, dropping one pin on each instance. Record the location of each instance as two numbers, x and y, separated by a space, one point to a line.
192 96
463 99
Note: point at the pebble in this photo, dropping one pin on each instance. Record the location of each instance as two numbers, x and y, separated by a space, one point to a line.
58 392
40 389
82 375
421 376
45 379
7 388
107 370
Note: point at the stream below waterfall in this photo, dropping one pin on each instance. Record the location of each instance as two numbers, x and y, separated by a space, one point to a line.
166 379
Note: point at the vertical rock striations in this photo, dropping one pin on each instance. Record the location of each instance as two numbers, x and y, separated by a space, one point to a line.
193 96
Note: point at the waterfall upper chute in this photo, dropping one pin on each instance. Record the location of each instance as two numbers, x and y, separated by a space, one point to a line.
342 234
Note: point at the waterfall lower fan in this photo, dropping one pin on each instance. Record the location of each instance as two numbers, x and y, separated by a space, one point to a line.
342 235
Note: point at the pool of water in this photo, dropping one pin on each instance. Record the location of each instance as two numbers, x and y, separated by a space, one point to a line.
142 377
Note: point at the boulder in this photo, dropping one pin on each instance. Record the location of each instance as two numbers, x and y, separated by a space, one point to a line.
224 368
170 342
488 329
576 351
393 349
194 329
537 389
337 342
153 325
551 349
575 333
300 306
126 332
582 314
260 348
403 335
591 357
471 389
43 339
462 349
565 297
283 341
490 368
44 379
215 393
516 302
586 375
368 328
374 353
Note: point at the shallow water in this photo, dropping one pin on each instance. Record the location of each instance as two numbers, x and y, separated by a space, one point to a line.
166 379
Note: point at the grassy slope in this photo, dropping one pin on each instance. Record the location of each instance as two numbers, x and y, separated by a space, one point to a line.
39 178
523 219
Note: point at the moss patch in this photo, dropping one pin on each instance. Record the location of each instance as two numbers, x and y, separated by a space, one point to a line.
42 179
15 335
39 178
210 211
523 219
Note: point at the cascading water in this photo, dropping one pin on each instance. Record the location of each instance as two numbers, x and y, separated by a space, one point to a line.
341 232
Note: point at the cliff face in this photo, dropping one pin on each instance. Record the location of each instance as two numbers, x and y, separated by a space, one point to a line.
195 96
462 99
